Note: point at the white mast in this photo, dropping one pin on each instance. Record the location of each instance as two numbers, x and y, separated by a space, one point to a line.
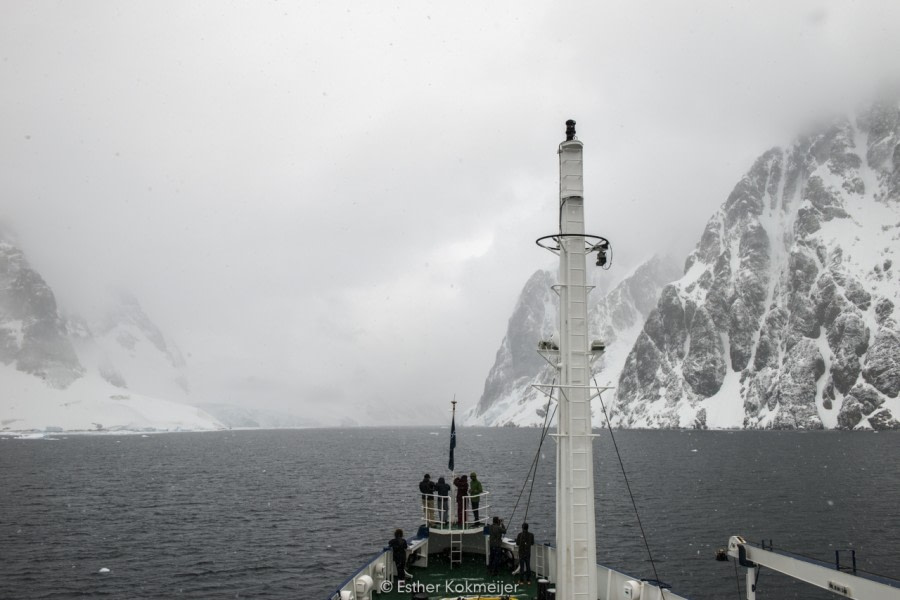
576 546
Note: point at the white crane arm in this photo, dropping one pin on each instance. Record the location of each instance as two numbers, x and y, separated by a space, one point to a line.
814 572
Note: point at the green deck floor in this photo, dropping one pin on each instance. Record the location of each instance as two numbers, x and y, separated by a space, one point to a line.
438 580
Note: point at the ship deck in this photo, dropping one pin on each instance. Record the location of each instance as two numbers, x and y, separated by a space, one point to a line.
471 578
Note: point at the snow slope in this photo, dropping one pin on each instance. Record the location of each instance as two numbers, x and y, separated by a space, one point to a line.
90 404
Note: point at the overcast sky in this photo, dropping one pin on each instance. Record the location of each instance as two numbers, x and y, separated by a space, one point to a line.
331 207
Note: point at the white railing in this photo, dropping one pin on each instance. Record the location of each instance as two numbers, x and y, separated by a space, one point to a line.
610 583
378 569
440 512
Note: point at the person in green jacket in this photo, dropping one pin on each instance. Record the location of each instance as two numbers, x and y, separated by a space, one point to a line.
475 491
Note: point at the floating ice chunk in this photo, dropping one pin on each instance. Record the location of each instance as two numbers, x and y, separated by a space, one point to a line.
104 570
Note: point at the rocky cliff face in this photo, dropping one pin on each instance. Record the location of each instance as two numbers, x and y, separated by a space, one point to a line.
786 316
33 336
616 318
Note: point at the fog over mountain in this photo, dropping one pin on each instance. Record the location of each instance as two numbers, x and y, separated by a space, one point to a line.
112 372
328 209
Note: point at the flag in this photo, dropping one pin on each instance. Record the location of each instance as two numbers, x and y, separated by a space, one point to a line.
452 441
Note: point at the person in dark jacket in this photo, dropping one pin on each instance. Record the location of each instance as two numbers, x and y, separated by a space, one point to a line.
462 490
442 488
496 543
524 542
426 486
475 491
399 546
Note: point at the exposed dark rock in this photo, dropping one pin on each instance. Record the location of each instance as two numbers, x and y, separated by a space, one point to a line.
803 322
884 309
821 198
798 167
828 394
690 307
882 368
640 372
861 401
700 419
854 185
836 307
770 339
851 413
752 279
803 272
823 295
857 294
884 420
740 333
41 347
710 242
666 324
746 199
796 387
849 334
704 366
849 339
807 222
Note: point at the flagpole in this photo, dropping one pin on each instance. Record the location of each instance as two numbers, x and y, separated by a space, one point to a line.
451 466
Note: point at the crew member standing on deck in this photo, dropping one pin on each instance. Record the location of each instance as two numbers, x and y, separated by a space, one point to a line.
462 490
524 541
443 507
426 486
496 544
475 491
399 546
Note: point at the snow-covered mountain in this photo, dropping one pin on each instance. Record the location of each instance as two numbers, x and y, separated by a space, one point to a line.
616 318
122 344
787 313
113 370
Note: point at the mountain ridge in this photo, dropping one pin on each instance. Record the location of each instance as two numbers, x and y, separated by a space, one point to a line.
509 398
786 314
783 317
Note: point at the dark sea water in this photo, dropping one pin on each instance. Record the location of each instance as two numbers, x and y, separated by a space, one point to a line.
293 513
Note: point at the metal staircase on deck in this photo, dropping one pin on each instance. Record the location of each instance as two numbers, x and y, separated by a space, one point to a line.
455 547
